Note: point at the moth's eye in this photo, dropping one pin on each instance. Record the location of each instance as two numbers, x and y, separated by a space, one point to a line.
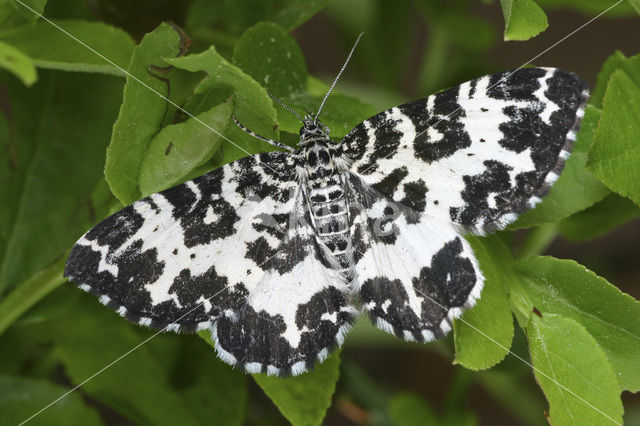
312 159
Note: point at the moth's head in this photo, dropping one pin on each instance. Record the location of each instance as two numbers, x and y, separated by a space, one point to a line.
312 130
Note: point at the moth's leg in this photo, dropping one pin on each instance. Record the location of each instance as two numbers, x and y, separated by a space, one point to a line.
262 138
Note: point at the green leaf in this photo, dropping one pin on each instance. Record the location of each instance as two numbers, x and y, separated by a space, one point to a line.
142 110
567 288
13 14
29 293
21 398
635 4
48 47
576 188
483 334
268 54
304 399
273 58
617 61
52 163
573 372
252 105
168 379
179 148
590 7
523 19
17 63
615 154
599 219
409 409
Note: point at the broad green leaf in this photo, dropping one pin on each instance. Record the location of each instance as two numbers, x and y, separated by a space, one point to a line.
576 189
523 19
573 372
48 47
599 219
17 63
635 4
142 110
483 334
269 55
252 105
567 288
52 163
409 409
272 57
303 399
168 379
14 14
615 154
21 398
617 61
179 148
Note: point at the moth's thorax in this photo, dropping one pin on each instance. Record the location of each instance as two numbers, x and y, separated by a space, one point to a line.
318 161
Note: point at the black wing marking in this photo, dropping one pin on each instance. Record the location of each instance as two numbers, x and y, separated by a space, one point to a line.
478 154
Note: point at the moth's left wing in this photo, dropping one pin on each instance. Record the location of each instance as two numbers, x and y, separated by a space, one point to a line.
478 154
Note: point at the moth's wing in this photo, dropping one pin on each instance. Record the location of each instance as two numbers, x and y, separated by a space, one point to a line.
414 273
185 256
478 154
296 314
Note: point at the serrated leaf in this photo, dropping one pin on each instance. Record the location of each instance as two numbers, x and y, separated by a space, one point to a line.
142 110
48 47
14 14
17 63
523 19
21 398
615 154
576 188
303 399
180 148
566 288
56 125
573 372
252 105
168 380
483 339
617 61
599 219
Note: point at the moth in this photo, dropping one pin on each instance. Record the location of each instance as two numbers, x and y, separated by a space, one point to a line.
276 254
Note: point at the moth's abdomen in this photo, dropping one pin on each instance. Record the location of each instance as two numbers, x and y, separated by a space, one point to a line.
329 211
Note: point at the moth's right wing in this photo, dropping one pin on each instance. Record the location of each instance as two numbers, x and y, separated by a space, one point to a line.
183 257
414 273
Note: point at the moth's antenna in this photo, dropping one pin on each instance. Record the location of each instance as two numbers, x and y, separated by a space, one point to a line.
285 106
337 77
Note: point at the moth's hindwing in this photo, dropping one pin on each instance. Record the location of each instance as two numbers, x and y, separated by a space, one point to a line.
296 314
478 154
415 274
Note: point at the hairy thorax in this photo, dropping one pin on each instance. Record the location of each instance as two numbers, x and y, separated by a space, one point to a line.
324 185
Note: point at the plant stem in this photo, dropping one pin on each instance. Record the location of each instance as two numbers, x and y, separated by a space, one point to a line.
537 240
31 291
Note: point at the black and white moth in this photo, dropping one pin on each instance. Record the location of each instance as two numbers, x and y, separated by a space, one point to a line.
277 253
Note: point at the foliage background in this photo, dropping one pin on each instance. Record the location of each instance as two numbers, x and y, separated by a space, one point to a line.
64 165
